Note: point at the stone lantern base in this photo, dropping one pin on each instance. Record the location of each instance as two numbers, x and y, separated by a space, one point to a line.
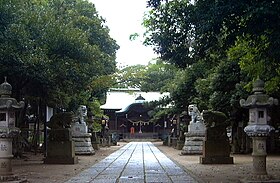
259 173
259 133
6 174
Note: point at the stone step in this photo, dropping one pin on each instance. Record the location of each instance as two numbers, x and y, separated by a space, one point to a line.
140 140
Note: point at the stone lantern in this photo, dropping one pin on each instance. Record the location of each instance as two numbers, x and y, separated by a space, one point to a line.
257 128
8 106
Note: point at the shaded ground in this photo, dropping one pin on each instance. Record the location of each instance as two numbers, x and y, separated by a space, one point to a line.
33 169
220 173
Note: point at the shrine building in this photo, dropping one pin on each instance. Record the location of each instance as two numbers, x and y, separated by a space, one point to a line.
128 114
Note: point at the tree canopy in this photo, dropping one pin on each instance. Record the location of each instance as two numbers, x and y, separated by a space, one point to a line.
219 46
153 77
54 49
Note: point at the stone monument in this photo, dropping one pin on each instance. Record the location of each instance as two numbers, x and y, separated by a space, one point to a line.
80 134
60 145
8 106
216 147
196 132
258 129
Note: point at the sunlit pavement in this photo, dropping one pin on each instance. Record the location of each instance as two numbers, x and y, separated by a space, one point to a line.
136 162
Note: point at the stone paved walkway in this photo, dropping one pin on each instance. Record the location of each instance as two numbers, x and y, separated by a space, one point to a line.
136 162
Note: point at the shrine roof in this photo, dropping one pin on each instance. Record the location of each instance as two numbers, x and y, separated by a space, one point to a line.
120 99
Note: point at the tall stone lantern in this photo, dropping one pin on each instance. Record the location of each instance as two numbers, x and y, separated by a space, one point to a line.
8 106
257 128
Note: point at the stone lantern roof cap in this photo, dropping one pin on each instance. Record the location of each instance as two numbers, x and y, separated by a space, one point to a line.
6 102
5 88
258 98
258 86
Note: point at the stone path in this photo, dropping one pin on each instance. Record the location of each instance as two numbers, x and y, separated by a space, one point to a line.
136 162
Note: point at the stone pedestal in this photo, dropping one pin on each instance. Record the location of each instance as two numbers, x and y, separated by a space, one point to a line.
6 156
82 139
60 148
259 155
194 139
216 148
259 135
216 154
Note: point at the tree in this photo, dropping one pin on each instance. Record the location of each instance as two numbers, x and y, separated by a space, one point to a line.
254 58
158 76
210 26
170 31
153 77
130 77
58 47
208 33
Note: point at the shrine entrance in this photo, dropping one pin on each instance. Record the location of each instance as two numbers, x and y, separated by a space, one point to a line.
134 121
130 117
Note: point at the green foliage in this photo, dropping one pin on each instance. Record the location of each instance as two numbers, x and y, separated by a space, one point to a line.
220 46
184 91
170 31
130 77
158 77
99 87
58 47
159 110
133 37
254 60
94 108
153 77
223 85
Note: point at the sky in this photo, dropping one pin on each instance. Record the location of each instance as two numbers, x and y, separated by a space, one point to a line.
124 17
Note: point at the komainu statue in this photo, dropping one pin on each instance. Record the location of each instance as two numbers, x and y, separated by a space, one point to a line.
194 113
214 118
61 120
216 148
